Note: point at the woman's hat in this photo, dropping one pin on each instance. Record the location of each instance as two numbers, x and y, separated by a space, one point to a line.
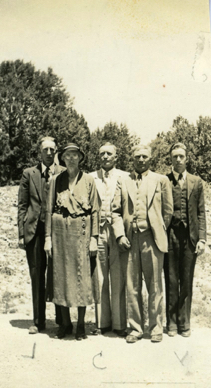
71 147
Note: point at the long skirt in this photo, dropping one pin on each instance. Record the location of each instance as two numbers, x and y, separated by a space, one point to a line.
72 283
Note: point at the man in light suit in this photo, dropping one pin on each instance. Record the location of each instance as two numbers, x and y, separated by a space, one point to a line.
111 268
142 211
31 217
187 235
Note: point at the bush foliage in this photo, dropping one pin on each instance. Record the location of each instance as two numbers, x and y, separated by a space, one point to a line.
33 104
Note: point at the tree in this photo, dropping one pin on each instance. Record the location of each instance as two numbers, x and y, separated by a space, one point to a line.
33 104
202 147
120 137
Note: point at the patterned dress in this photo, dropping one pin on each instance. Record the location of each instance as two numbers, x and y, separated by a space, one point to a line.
71 220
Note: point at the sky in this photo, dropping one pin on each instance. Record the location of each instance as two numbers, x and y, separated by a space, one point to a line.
137 62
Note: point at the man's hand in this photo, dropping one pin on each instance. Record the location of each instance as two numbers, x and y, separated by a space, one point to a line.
21 243
93 246
200 247
124 243
48 247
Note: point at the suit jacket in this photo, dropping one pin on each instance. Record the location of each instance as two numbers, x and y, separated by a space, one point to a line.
30 201
196 207
98 177
159 207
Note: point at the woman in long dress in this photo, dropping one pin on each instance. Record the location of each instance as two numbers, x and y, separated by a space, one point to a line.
71 238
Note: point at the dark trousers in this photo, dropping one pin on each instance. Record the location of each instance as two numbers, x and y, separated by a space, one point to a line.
36 258
179 264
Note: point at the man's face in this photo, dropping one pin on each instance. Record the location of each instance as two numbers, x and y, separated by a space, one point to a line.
48 149
71 158
178 158
141 160
107 157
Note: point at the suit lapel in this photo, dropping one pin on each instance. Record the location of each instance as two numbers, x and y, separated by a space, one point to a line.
114 179
190 184
131 186
99 183
172 179
151 187
36 177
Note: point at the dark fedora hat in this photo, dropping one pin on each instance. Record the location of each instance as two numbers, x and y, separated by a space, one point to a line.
71 147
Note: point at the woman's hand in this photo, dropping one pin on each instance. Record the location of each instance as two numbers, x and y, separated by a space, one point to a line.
93 246
48 247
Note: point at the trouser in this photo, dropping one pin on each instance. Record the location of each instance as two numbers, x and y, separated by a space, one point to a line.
147 260
111 311
36 258
179 267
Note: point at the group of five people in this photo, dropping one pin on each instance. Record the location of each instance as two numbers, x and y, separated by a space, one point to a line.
103 233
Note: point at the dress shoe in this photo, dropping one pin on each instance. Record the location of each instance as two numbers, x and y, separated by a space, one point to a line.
185 333
131 339
63 331
101 331
33 330
41 327
172 333
120 333
156 338
80 333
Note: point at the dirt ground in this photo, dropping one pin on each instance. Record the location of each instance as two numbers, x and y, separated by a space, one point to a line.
107 361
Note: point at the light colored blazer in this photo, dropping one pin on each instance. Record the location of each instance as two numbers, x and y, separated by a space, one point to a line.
159 206
98 177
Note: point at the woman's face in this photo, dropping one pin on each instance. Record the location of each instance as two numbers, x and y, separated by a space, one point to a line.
71 158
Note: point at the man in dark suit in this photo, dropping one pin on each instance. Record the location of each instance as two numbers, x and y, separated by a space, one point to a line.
31 217
142 211
187 234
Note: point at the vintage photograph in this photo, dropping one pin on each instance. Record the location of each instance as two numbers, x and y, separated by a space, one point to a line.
105 194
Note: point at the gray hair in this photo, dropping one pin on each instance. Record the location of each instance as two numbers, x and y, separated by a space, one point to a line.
47 138
110 145
142 147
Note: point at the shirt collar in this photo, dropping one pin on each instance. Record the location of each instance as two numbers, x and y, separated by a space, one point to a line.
51 168
176 174
143 174
110 172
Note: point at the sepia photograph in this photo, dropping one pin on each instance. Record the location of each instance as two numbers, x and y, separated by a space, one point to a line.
105 194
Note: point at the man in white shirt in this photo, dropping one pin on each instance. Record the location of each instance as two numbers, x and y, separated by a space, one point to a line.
31 224
111 312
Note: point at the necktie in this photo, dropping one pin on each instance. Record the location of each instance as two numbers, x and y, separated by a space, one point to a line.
180 179
107 198
138 180
47 175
